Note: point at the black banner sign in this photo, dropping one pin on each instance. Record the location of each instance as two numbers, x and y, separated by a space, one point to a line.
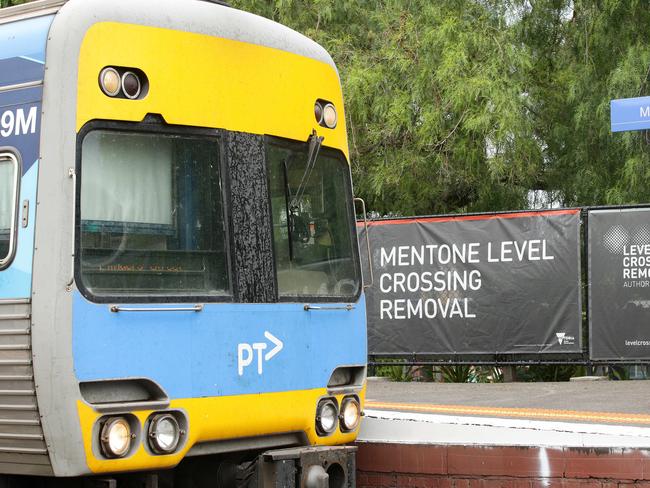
483 284
619 283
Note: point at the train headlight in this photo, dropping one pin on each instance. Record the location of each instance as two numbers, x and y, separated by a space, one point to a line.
110 81
330 117
164 433
131 85
115 437
350 414
326 416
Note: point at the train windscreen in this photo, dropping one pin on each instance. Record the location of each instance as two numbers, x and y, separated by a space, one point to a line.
313 222
151 215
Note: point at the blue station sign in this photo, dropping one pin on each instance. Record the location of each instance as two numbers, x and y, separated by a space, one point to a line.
630 114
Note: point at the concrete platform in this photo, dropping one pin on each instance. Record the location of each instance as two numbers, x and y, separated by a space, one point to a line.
608 414
619 397
580 434
418 428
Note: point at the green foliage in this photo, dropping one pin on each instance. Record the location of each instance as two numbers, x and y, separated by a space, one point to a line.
471 374
9 3
549 372
395 372
600 53
620 373
446 374
457 374
465 105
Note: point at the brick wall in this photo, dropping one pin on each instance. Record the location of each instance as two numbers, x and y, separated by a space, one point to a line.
392 465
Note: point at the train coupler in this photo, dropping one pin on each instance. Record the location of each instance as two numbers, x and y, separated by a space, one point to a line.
308 467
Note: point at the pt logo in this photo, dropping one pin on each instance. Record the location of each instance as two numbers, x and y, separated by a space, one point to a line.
247 353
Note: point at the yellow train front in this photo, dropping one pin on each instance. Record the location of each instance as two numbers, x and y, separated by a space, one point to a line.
183 256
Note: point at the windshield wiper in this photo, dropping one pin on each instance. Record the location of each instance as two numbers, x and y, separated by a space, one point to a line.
315 143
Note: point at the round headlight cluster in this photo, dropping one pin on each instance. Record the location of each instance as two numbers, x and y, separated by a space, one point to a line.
164 433
121 82
325 113
350 414
327 415
116 437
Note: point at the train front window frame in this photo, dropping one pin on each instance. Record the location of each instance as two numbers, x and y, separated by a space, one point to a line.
314 227
167 240
9 197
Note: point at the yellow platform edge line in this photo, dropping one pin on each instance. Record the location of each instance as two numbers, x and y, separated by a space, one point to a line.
534 413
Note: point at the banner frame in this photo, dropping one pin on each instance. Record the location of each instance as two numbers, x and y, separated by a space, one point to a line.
587 211
579 354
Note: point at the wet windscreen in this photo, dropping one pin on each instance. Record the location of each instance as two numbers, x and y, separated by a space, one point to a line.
151 215
313 224
8 188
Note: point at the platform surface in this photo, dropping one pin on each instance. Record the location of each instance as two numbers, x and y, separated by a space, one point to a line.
601 414
597 401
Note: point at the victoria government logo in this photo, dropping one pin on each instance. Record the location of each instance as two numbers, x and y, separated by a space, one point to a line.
565 339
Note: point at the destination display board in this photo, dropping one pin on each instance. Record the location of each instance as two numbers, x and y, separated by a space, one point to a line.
619 283
630 114
476 284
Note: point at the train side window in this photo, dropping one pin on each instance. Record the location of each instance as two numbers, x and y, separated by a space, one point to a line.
151 217
9 190
313 224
